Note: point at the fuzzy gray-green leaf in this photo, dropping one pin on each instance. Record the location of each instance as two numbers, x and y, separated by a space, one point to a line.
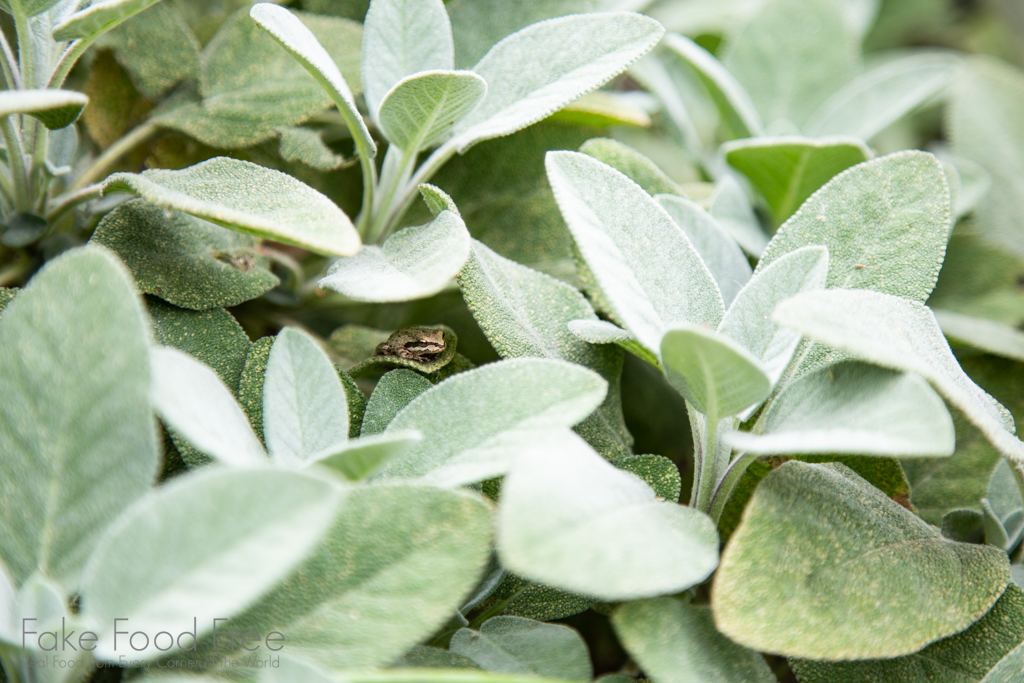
881 589
518 645
98 18
885 223
75 422
365 456
394 391
212 337
988 335
249 198
676 642
526 313
632 164
414 263
55 108
419 110
183 260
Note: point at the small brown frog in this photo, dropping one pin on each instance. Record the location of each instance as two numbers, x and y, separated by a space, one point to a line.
414 343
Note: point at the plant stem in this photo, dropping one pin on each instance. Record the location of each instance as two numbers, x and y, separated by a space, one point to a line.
16 160
112 154
25 57
9 64
67 61
424 173
708 467
66 201
396 167
732 476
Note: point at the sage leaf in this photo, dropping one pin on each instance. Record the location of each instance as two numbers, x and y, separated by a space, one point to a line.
731 208
631 164
401 38
987 335
901 335
524 646
183 260
147 570
989 644
983 127
212 337
419 110
346 606
414 263
8 607
714 373
790 84
363 457
466 440
301 43
192 399
853 408
1009 669
394 391
427 657
787 170
524 87
55 108
657 471
885 223
718 250
614 222
24 9
305 409
98 18
860 600
571 520
249 198
748 321
306 146
678 643
734 105
250 384
75 422
865 106
525 313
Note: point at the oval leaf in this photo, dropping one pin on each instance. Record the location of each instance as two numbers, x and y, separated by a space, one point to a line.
571 520
466 438
305 409
714 373
414 263
524 646
165 567
55 108
881 590
75 419
98 18
246 197
885 223
420 110
365 456
614 223
581 53
853 408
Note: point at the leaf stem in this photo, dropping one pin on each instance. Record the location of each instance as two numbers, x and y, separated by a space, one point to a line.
16 160
67 61
425 172
396 168
68 200
112 154
708 466
732 476
9 64
25 44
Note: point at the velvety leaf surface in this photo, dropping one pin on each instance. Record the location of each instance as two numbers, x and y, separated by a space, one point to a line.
164 564
631 164
525 313
363 457
984 126
394 391
466 440
55 108
305 409
401 38
613 222
885 223
732 101
534 600
966 656
250 86
986 335
731 208
719 251
249 198
787 170
192 399
657 471
424 656
676 642
881 589
525 646
183 260
571 520
419 110
590 49
414 263
250 384
98 17
302 44
305 145
213 337
715 374
864 107
1009 669
388 547
901 335
853 408
790 84
77 439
